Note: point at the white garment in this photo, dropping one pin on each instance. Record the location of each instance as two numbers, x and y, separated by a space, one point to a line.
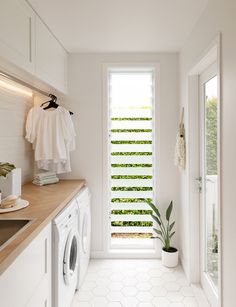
53 137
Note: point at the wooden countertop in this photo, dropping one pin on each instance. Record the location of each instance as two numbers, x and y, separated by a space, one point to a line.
45 203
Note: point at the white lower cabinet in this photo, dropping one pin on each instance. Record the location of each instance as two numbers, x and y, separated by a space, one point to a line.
27 282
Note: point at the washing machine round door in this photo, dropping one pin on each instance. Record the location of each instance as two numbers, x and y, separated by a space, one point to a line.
71 257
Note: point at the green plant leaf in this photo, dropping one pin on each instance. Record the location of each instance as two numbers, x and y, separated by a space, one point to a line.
157 231
168 211
154 208
156 219
171 226
171 235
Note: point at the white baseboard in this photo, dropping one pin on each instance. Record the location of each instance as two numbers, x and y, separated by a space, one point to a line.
200 296
125 254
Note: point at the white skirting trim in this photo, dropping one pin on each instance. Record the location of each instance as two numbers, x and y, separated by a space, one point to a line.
200 296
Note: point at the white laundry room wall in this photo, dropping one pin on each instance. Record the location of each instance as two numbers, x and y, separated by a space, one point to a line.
14 148
86 101
219 17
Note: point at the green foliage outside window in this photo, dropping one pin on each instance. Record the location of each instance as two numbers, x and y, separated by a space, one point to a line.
211 136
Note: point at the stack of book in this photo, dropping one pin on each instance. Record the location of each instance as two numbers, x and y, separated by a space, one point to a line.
45 178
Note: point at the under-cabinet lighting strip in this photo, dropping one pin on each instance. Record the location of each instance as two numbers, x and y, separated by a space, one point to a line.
17 89
15 79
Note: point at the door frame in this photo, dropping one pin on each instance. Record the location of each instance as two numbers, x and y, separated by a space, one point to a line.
210 55
206 282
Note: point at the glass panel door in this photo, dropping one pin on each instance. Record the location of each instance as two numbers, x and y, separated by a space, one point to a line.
209 176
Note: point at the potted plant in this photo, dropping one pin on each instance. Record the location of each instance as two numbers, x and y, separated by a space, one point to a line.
10 179
164 234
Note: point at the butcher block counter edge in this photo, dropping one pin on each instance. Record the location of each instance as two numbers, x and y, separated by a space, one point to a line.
45 203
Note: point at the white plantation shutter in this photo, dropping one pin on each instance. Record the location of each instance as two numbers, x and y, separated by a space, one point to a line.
131 97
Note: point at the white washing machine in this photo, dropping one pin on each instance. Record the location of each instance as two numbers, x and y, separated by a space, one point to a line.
84 205
65 255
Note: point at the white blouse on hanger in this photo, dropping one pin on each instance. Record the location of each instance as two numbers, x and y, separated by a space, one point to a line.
53 137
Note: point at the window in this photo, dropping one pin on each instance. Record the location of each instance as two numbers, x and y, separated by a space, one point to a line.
131 156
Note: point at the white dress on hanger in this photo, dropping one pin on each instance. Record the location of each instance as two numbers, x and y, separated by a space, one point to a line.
53 137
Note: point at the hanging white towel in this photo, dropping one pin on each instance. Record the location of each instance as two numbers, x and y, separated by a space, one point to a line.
180 147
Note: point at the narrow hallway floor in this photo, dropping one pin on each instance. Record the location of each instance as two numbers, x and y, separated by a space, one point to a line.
131 283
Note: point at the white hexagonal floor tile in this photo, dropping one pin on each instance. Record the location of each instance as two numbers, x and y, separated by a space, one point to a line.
144 286
172 286
80 304
114 304
115 296
103 281
187 291
115 286
129 291
116 276
84 296
190 302
88 285
145 305
158 291
169 277
144 296
175 297
142 276
167 270
92 276
182 281
160 302
130 272
104 272
134 283
129 302
156 272
99 302
129 281
157 281
100 291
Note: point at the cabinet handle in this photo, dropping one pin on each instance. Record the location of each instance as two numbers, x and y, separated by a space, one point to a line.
30 39
46 255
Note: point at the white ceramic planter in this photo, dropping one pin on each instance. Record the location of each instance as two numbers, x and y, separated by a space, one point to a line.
169 259
11 185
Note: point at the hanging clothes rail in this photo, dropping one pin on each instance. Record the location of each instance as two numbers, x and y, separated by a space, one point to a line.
15 79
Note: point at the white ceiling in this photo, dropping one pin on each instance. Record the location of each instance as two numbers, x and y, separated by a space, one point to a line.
120 25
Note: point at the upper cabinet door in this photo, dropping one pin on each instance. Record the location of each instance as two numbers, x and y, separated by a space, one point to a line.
51 58
17 28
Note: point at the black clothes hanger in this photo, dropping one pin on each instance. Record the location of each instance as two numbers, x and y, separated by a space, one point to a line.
52 103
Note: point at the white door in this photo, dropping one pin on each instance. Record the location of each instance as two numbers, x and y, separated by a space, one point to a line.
209 183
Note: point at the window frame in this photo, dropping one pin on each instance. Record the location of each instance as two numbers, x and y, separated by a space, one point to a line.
134 251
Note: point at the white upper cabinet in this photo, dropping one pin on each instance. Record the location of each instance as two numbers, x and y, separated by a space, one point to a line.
17 21
51 58
26 42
